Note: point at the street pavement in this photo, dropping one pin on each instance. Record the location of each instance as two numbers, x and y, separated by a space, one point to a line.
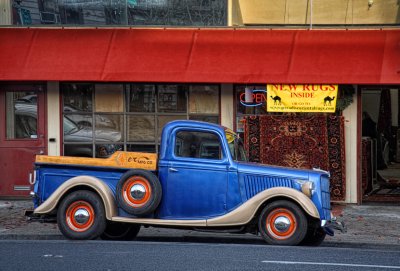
368 226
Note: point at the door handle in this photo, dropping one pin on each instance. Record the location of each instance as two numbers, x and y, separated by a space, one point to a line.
173 169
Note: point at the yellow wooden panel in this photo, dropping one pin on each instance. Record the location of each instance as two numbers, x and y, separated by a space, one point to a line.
109 98
259 11
120 159
380 12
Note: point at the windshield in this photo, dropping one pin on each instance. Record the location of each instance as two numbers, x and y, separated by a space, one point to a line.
236 146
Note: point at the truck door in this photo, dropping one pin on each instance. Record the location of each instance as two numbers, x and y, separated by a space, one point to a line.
23 135
196 177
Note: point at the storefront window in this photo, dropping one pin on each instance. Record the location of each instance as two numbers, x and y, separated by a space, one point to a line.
201 99
172 98
21 115
120 12
141 128
130 116
242 110
162 120
141 98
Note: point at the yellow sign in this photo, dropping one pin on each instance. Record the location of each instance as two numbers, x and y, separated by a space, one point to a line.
301 98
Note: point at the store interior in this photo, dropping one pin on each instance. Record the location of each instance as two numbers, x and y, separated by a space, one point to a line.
380 144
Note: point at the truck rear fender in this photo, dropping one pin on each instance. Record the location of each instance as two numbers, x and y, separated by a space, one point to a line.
245 213
90 182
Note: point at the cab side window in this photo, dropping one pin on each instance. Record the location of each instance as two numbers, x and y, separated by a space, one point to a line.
203 145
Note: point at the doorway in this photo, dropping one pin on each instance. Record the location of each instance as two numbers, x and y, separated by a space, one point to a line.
380 144
23 135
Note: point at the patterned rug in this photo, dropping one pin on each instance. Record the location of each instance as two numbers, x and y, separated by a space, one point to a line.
366 168
305 141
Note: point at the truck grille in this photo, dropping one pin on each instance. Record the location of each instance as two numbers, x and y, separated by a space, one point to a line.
326 198
255 184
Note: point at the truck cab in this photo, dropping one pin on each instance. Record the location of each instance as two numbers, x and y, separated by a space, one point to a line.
200 180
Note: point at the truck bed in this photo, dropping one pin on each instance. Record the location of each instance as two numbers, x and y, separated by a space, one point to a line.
120 159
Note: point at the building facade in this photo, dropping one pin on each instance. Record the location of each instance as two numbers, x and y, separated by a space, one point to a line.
113 82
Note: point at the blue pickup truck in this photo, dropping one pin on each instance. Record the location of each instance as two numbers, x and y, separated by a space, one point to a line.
200 180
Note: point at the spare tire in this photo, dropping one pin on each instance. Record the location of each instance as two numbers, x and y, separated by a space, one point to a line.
138 192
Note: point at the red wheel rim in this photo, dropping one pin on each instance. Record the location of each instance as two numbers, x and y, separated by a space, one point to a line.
134 183
80 216
281 224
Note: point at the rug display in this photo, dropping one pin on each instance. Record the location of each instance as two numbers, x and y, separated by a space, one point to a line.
300 141
366 168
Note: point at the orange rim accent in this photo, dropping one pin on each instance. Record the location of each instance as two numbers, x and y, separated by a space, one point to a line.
70 216
270 223
126 191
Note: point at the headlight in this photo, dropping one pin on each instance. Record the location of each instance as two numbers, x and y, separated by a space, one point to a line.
307 187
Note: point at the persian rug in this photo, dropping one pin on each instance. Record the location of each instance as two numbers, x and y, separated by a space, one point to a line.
306 141
366 173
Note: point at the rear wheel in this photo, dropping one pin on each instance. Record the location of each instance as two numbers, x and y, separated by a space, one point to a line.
282 223
81 215
120 231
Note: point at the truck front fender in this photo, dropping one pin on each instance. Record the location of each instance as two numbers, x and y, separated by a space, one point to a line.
245 212
84 181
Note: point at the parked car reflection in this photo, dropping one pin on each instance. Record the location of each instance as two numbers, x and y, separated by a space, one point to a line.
26 127
74 113
86 119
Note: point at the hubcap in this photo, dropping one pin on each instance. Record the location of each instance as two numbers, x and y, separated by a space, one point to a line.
82 216
282 224
138 191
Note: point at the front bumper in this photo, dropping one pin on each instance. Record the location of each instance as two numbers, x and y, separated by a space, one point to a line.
330 226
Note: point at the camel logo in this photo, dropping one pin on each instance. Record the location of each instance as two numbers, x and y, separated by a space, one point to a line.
277 100
328 100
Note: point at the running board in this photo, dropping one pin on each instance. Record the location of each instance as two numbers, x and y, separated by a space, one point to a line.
162 222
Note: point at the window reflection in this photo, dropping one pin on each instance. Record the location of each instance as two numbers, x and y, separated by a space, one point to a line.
198 145
109 128
172 98
141 98
82 150
106 150
21 115
120 12
130 116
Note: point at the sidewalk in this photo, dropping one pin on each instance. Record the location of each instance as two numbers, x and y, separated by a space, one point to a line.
368 226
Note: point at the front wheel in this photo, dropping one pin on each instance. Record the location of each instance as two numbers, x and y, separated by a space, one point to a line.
81 215
282 223
120 231
315 234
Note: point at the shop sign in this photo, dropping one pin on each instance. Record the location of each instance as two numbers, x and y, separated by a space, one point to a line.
301 98
253 97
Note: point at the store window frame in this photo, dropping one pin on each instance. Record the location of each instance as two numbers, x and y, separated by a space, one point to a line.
126 144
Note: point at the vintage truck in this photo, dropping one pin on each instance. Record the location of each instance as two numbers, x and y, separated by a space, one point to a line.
200 180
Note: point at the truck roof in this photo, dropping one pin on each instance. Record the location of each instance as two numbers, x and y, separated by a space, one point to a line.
199 125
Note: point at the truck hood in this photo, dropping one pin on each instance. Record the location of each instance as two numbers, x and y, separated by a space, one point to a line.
262 169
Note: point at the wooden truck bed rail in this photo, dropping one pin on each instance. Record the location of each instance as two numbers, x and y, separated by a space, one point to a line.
118 159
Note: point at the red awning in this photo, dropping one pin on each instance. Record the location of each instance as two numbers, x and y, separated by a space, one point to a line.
201 55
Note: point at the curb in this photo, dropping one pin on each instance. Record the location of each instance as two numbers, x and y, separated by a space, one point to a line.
361 245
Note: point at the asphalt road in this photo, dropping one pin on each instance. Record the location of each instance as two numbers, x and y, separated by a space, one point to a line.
139 255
